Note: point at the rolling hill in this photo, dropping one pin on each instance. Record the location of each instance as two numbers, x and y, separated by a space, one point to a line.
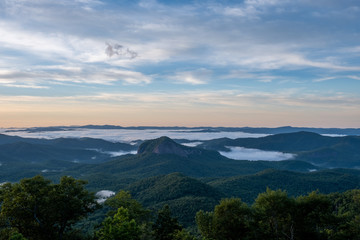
164 156
324 151
183 194
187 178
295 183
27 157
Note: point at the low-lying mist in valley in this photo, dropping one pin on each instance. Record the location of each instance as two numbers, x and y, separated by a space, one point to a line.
240 153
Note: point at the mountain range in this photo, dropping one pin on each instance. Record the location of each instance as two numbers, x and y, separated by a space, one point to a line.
188 178
261 130
322 151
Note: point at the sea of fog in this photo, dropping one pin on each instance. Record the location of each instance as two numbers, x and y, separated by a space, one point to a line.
240 153
129 135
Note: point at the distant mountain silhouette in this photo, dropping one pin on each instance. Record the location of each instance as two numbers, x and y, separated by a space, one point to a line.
165 145
284 142
260 130
321 150
27 157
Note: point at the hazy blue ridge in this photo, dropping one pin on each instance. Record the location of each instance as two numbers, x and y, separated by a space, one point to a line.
261 130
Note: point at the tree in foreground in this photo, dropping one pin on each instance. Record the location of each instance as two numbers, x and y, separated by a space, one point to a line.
347 208
119 227
165 226
232 219
135 209
314 217
39 209
275 215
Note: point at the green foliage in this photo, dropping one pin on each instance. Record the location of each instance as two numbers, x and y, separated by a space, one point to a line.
17 236
119 227
184 195
310 147
204 221
284 142
40 210
165 226
182 235
347 207
295 183
276 216
134 208
231 220
274 213
11 234
193 162
314 216
133 219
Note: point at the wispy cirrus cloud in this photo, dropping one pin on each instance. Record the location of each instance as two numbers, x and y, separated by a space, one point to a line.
231 99
250 9
230 108
196 77
323 79
354 77
37 78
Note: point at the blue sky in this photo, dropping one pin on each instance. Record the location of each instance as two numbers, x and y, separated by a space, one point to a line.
185 63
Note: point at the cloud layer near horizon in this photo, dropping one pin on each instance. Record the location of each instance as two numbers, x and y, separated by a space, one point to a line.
126 135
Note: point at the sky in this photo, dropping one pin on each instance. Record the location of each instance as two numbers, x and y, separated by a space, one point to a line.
180 63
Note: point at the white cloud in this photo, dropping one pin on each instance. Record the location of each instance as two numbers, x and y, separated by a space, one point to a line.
103 195
260 3
39 76
192 144
129 77
248 11
114 153
126 135
56 47
324 79
24 86
354 77
240 153
287 98
158 34
120 153
337 77
258 56
195 42
196 77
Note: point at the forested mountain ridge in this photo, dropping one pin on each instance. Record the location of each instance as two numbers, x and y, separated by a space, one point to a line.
286 142
324 151
187 179
74 143
164 156
295 183
26 157
183 194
